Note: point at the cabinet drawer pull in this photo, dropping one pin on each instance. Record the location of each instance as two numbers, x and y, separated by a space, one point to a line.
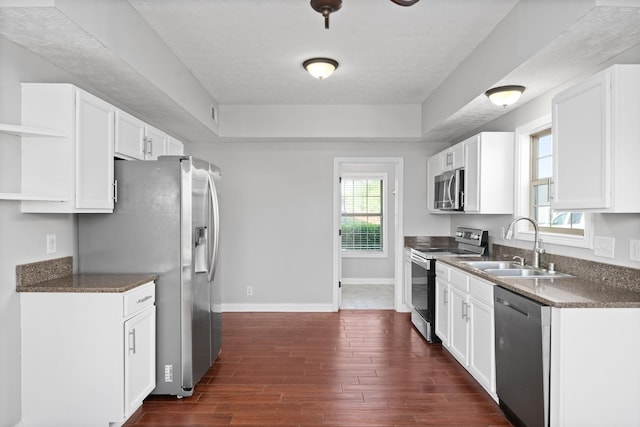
141 300
445 297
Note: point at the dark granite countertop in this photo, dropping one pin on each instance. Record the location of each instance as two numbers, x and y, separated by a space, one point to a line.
54 275
563 292
90 283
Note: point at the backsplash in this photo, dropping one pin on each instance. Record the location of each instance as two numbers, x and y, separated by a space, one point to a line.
429 241
36 272
614 275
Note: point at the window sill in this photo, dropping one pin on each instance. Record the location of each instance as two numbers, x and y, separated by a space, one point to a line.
364 254
585 241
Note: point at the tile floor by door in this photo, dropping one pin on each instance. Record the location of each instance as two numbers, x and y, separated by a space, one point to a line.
366 297
348 368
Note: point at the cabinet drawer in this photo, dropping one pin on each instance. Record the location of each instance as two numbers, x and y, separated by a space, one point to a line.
139 298
481 290
460 280
442 271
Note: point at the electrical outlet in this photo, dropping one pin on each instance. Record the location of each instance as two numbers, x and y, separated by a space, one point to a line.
604 246
634 250
249 290
51 244
168 373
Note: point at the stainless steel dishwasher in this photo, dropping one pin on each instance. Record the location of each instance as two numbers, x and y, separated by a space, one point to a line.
523 342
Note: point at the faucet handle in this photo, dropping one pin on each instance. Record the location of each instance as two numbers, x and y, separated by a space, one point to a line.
520 260
539 247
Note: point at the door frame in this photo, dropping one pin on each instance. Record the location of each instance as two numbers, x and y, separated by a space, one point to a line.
398 163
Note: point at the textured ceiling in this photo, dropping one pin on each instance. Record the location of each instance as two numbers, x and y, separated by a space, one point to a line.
251 51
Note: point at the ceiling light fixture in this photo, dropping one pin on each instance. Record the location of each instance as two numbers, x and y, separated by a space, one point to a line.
326 7
405 2
320 68
505 95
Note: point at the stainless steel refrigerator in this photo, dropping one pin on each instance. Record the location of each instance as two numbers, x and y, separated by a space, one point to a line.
166 221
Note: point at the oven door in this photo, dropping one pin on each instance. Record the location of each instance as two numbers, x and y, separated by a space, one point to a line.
423 284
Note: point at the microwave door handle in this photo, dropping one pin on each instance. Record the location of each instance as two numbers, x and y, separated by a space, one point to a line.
449 191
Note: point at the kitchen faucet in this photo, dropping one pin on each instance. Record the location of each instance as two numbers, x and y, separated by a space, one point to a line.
537 243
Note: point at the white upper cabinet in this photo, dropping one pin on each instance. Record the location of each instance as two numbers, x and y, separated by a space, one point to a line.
79 166
136 140
130 136
174 147
452 158
596 128
488 162
489 173
156 143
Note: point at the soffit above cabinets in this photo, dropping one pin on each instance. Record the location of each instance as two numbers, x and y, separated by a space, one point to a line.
149 62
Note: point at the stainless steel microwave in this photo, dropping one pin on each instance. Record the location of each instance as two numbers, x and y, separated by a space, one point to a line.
449 191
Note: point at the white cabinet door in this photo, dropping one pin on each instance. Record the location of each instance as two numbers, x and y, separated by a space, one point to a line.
94 151
174 147
156 143
139 362
452 157
459 326
130 134
581 131
481 344
595 149
489 173
442 311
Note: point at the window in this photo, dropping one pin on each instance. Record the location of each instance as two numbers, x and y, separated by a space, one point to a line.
550 221
362 218
535 165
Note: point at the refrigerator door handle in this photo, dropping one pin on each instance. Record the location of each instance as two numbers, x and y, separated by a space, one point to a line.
214 227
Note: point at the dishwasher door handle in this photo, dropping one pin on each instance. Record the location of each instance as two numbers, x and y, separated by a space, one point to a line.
513 307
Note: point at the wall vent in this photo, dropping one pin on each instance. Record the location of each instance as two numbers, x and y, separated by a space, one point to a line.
214 113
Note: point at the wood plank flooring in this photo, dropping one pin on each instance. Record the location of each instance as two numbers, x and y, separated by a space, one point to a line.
351 368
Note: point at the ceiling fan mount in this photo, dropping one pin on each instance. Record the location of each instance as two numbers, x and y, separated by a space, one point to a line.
327 7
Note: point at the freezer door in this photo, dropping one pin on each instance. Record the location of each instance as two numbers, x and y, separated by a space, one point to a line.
199 246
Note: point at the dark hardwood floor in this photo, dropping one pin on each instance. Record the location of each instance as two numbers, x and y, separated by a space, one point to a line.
351 368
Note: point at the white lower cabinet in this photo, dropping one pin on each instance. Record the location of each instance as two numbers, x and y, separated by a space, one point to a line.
468 331
88 359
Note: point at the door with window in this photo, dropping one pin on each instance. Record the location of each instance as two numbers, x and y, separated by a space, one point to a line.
367 225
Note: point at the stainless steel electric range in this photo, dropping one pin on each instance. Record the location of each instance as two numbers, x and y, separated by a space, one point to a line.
469 242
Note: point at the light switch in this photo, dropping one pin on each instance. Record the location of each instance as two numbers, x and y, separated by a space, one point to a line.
604 246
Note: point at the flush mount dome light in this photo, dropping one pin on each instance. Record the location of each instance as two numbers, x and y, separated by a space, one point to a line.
320 68
505 95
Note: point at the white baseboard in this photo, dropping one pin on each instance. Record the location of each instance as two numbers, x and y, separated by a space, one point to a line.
371 281
283 308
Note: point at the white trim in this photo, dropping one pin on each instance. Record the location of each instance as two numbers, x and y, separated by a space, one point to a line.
521 200
281 308
399 224
366 281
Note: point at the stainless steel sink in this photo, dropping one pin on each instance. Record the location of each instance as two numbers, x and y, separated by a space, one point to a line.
493 265
523 273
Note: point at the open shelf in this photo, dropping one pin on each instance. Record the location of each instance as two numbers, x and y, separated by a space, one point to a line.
29 131
32 197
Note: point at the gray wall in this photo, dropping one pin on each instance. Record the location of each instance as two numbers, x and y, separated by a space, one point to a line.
277 212
22 236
